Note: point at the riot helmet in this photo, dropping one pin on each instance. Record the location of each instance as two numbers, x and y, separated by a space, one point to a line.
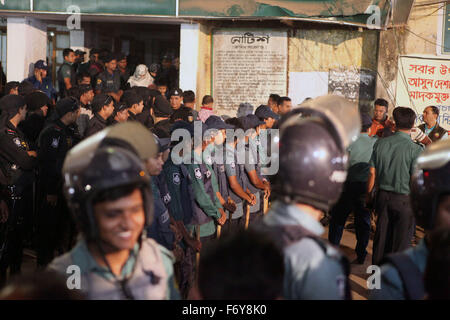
430 181
312 152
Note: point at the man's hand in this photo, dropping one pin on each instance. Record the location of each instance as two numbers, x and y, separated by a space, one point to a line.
194 244
37 74
32 153
52 199
252 198
4 211
178 253
176 232
223 217
267 189
230 205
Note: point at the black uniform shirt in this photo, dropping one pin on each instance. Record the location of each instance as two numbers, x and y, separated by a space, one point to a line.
107 82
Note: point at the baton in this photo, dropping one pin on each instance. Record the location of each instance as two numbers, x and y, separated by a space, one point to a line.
247 216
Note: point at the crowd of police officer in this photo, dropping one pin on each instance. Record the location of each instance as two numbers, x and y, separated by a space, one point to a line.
94 179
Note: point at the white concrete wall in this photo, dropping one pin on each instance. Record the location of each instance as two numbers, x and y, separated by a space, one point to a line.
189 47
27 43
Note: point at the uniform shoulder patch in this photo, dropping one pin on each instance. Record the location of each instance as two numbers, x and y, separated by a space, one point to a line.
55 143
208 174
17 142
99 80
176 178
198 173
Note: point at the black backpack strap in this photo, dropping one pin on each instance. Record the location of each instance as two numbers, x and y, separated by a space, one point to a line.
410 274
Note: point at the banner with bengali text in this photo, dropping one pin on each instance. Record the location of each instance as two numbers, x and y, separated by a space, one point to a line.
425 82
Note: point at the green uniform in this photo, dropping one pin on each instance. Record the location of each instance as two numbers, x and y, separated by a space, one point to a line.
206 201
393 158
360 154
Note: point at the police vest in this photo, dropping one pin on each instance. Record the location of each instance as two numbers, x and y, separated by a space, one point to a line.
187 195
147 282
286 235
436 134
199 217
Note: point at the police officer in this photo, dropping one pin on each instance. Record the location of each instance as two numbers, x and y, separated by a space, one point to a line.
103 108
257 185
176 99
391 166
162 113
54 224
108 82
402 273
38 105
109 194
354 194
17 163
237 177
312 161
179 183
219 160
40 80
207 207
66 73
160 228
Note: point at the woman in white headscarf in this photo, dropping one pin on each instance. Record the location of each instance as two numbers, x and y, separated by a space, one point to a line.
141 77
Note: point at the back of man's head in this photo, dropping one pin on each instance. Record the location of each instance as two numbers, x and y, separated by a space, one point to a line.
207 100
188 96
404 118
245 265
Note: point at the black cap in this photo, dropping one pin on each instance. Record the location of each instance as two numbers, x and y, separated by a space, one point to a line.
37 100
215 122
40 64
80 52
176 92
11 103
162 107
264 112
67 105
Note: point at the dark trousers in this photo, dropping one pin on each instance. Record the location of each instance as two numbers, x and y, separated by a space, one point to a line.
234 225
351 200
55 231
15 234
394 224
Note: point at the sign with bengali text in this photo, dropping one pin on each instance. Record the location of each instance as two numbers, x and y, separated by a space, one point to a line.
425 82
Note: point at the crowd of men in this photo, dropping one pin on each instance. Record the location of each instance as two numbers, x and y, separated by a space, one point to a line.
90 178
